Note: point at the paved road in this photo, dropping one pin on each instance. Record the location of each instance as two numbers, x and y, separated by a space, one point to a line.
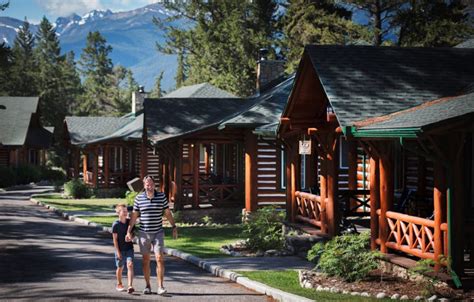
45 257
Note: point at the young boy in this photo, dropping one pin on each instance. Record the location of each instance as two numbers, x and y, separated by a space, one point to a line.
123 248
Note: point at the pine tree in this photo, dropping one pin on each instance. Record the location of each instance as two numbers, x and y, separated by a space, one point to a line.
381 13
24 68
432 23
72 89
222 47
53 105
180 70
97 69
5 68
316 22
157 91
120 93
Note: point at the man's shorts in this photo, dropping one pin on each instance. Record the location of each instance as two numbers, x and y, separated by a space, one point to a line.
127 255
147 241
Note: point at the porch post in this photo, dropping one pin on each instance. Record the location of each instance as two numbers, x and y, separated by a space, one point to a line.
374 200
207 162
332 184
386 193
84 166
195 175
323 192
352 173
250 172
439 198
95 172
294 180
143 159
76 155
166 178
106 165
179 178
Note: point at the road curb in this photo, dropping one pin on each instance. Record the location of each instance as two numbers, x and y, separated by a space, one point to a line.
236 277
70 217
212 268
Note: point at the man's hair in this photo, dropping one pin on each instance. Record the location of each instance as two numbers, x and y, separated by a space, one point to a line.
148 177
119 207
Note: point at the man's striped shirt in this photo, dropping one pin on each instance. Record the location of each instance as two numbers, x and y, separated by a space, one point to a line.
151 211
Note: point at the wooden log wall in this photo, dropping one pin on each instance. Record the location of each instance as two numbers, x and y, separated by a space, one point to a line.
269 174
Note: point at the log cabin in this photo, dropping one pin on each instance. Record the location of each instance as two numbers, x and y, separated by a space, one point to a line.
23 140
346 94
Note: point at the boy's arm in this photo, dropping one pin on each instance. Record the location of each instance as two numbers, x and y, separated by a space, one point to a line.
131 224
115 237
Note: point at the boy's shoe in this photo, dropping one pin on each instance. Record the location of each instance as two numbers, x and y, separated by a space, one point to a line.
130 290
162 291
147 291
120 288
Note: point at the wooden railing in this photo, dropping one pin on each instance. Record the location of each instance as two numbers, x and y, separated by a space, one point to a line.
219 195
310 209
413 235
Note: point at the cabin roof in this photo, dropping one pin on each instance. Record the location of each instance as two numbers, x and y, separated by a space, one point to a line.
202 90
86 129
167 118
363 82
15 121
266 108
424 115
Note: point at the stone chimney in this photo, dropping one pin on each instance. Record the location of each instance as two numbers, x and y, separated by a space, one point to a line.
268 71
138 97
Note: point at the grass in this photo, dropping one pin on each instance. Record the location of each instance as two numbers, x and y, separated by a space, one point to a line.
71 205
203 242
288 281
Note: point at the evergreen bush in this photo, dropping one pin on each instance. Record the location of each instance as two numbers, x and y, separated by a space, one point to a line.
347 256
77 189
54 175
263 229
130 197
26 174
7 177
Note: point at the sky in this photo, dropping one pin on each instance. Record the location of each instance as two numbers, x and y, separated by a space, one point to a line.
34 10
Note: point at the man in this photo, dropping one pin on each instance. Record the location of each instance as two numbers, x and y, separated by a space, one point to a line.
151 205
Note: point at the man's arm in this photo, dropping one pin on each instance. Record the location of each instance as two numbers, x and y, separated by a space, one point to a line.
170 218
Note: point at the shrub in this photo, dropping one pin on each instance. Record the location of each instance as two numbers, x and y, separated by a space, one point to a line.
7 177
263 229
26 174
130 197
348 256
77 189
53 174
315 253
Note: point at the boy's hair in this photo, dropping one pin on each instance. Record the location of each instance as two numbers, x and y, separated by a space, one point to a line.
119 207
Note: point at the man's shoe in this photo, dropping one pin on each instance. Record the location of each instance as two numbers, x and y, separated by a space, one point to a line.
162 291
147 291
120 288
130 290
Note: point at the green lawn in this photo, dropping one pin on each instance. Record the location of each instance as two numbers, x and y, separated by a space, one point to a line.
288 281
203 242
69 205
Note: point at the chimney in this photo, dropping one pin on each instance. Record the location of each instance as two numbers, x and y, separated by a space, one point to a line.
268 71
138 97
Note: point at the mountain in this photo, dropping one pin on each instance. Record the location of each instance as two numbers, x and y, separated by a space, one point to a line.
131 34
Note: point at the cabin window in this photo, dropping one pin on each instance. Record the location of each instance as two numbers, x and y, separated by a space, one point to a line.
283 169
33 156
343 153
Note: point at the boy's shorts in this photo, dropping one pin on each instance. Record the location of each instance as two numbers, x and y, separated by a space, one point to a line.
148 240
126 255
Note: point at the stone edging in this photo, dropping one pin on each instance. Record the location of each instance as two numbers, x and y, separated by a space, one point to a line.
235 277
213 269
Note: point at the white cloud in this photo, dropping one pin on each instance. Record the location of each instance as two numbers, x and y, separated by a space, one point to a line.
61 8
